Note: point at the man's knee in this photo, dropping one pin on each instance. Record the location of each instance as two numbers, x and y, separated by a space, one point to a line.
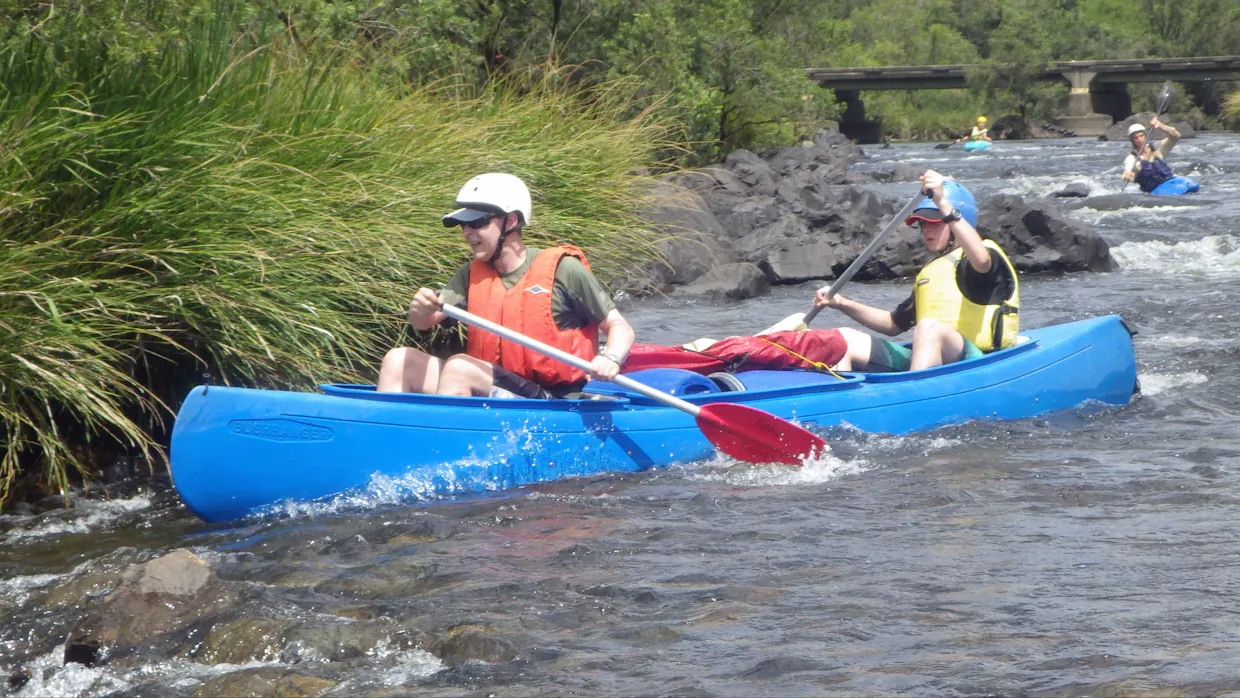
405 369
931 327
857 354
462 375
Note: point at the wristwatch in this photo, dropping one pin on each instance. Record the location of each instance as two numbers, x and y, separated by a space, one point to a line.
609 355
953 216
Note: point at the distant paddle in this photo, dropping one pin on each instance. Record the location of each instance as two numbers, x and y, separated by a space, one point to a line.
944 146
1164 103
743 432
800 321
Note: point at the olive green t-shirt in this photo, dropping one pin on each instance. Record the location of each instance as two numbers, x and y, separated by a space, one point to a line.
577 299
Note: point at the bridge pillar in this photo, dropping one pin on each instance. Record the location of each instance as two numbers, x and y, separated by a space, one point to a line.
853 123
1081 116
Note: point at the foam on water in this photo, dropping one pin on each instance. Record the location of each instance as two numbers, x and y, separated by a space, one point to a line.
17 590
819 469
85 516
1047 185
1147 213
51 678
386 490
1156 383
1213 255
401 667
1181 342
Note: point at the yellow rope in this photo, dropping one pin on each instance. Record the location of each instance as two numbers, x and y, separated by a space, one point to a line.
816 364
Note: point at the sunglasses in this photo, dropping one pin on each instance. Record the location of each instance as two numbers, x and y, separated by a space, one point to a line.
480 223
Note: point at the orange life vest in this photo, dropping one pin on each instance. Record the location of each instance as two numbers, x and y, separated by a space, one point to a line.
526 308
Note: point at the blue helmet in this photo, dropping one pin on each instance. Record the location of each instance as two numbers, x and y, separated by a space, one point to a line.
957 195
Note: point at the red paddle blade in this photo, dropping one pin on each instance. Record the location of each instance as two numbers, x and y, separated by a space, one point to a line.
751 435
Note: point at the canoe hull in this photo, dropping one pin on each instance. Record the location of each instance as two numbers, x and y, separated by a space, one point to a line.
975 146
1176 186
236 450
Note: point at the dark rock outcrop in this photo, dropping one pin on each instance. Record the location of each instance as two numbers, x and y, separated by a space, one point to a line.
1074 190
733 281
737 227
1038 238
691 246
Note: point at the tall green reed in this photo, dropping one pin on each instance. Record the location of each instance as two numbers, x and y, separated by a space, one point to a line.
240 205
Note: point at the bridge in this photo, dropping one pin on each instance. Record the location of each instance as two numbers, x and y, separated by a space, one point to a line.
1098 95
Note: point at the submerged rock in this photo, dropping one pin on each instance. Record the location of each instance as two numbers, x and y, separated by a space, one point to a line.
159 597
470 643
265 681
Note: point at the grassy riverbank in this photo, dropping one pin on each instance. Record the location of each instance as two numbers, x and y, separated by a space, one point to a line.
239 205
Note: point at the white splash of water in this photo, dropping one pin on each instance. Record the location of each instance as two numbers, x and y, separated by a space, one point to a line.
85 516
17 590
1181 342
1157 383
819 469
1147 213
1047 185
386 490
403 666
1213 255
51 678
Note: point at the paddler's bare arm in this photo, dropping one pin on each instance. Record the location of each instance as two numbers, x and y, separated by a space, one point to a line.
620 338
1173 137
875 319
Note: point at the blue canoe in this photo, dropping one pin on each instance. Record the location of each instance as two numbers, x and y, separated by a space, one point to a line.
1176 186
971 146
236 450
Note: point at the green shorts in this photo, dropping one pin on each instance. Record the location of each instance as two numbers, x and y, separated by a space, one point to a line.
888 357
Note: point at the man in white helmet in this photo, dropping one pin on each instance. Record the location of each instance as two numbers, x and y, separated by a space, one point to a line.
549 295
1146 163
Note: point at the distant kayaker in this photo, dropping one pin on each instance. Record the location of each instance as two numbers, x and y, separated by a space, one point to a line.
549 295
964 303
980 132
1147 163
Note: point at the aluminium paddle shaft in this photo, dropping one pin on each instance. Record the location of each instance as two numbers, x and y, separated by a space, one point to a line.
575 361
868 252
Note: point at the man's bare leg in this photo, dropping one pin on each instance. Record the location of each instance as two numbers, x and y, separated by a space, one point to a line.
857 355
465 376
935 344
409 370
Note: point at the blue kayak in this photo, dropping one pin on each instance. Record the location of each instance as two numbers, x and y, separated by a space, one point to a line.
971 146
1176 186
237 450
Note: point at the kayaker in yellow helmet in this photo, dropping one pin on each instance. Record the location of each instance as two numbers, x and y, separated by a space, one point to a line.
981 132
549 295
964 303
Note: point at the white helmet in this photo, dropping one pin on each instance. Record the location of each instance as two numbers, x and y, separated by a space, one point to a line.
489 194
1135 128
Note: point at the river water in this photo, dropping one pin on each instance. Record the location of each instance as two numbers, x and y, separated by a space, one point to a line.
1083 553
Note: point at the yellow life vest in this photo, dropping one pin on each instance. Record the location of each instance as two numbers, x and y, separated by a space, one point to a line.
938 296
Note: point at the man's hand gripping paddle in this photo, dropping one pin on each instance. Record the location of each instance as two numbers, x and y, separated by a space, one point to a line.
800 321
743 432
